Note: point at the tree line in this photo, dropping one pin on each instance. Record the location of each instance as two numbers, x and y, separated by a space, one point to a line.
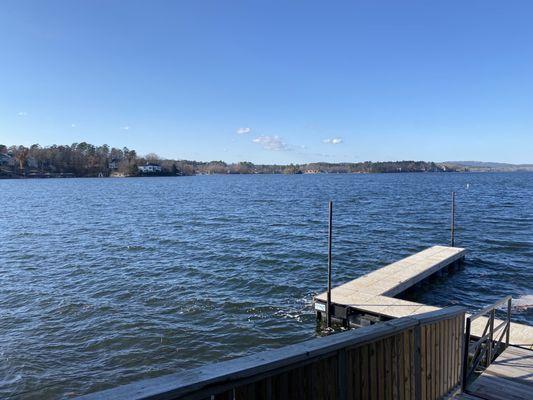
87 160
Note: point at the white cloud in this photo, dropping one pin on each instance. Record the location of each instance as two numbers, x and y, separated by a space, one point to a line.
336 140
72 125
270 143
22 113
243 131
125 128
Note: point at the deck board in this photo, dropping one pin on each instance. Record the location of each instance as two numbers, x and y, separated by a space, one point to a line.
509 377
374 292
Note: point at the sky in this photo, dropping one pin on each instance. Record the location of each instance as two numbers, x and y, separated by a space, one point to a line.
272 81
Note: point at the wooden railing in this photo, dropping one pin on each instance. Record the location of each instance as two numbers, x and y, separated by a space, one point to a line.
485 349
417 357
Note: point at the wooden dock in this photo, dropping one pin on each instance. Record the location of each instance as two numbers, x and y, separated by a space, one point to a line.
510 377
370 298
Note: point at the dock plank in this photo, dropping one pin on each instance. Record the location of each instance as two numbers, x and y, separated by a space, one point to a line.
508 377
374 292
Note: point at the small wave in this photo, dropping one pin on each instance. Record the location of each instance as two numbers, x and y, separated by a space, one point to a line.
136 248
11 380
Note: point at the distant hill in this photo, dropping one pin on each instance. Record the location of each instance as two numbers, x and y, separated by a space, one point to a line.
482 166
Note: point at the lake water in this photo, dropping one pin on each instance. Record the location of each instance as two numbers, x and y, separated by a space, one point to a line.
106 281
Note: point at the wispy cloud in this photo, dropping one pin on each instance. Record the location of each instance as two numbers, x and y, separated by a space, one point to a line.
243 131
273 143
335 140
126 128
22 113
72 125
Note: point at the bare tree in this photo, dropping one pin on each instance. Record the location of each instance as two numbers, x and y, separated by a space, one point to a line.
152 158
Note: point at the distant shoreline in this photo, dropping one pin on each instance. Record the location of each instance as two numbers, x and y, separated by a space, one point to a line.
81 160
59 176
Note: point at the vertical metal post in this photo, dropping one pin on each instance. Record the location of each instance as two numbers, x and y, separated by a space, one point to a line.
461 365
466 342
328 305
452 233
509 305
491 338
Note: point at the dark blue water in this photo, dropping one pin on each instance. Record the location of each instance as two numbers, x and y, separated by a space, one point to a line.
105 281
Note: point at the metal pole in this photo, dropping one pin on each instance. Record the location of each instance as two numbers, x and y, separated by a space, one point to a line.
466 342
491 338
509 305
453 220
328 305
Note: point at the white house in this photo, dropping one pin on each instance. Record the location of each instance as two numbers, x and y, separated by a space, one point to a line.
149 168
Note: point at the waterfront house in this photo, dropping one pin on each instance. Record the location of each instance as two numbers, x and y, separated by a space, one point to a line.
150 168
113 164
7 160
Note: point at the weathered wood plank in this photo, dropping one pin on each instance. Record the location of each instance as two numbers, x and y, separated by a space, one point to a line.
402 390
451 360
446 354
496 388
404 366
227 395
374 372
443 335
388 367
424 356
396 366
510 376
245 392
436 361
356 376
380 354
365 368
413 363
433 355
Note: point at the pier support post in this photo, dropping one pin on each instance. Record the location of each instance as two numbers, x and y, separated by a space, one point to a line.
452 229
330 229
508 332
490 352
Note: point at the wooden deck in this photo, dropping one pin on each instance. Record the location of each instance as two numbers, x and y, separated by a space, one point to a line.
373 293
510 377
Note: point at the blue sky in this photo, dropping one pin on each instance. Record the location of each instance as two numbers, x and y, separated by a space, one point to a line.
272 82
